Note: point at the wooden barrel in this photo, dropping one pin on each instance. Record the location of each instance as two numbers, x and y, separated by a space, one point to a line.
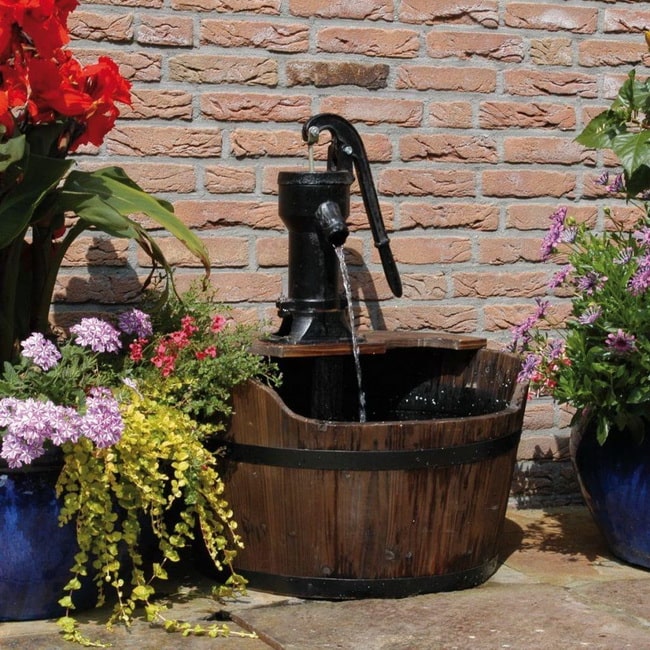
410 502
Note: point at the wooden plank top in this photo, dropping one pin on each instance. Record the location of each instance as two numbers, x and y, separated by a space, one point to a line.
371 342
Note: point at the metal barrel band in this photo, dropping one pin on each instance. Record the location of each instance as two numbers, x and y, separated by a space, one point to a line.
370 460
348 588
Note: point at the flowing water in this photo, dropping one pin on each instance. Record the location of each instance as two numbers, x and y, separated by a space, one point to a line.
340 253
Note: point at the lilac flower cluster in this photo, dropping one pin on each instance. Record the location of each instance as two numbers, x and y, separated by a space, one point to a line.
96 334
30 423
41 351
136 322
555 233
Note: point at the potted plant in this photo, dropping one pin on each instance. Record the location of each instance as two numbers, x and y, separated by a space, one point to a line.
50 106
126 411
599 363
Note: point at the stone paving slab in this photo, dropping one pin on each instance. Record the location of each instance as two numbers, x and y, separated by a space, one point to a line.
558 587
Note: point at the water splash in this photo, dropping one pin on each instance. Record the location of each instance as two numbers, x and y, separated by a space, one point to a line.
347 287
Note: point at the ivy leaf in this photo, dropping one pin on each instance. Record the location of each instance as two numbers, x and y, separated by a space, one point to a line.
633 150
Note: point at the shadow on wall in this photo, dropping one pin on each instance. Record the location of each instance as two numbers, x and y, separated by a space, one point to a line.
544 480
96 281
364 289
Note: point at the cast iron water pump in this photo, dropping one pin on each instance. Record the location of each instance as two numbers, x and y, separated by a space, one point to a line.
314 207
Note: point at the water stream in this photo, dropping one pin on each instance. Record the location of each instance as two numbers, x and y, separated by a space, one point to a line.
347 287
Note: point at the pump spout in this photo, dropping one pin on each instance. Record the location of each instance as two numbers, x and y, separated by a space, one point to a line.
332 223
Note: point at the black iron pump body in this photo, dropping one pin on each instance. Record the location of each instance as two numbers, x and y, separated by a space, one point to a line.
314 206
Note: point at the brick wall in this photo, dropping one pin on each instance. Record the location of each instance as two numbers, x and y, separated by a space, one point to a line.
468 110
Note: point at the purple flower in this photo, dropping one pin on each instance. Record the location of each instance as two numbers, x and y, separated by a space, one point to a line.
621 342
521 333
554 234
66 425
603 179
639 282
618 185
41 351
642 236
624 255
558 278
136 322
590 315
17 452
591 282
97 334
529 367
102 423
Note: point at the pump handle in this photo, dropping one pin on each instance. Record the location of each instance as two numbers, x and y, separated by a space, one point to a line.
345 150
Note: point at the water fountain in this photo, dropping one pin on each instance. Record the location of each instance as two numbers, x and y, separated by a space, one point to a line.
411 501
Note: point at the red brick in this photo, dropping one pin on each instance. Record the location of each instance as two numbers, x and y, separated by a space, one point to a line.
99 288
527 184
626 21
598 52
488 284
470 12
469 80
324 74
546 150
135 66
164 140
113 27
551 17
248 287
526 115
465 45
175 31
448 148
272 251
226 179
450 115
224 252
430 250
227 6
226 213
160 177
424 286
392 43
375 111
426 182
249 107
535 82
536 216
218 69
448 215
456 318
358 10
97 251
159 104
509 250
249 143
272 36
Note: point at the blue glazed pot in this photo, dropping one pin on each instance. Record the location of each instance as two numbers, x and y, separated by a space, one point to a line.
35 552
615 482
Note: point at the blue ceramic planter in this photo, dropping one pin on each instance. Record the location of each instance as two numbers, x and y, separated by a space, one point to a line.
615 482
35 552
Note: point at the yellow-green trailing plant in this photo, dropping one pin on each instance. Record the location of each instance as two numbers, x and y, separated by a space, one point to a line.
118 495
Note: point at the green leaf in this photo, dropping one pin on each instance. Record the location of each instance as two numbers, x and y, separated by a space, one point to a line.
602 129
17 207
84 192
633 150
11 151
